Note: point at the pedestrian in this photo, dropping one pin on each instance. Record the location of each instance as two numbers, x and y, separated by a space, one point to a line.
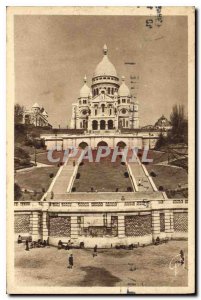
19 240
95 251
59 245
70 260
27 245
182 257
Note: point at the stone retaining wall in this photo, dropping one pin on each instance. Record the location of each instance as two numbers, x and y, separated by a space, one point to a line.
22 223
59 226
138 225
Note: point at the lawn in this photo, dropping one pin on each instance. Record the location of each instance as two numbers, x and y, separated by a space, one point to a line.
147 266
157 156
35 179
103 177
42 157
167 176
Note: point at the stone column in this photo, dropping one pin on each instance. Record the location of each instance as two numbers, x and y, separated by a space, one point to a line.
45 225
98 125
169 223
155 224
121 226
74 227
35 226
106 125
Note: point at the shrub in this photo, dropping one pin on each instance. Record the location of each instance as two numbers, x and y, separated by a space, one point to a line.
17 192
161 188
51 175
126 174
74 189
78 176
123 163
153 174
129 189
43 190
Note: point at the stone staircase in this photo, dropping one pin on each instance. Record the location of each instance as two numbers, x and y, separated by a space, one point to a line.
141 176
64 175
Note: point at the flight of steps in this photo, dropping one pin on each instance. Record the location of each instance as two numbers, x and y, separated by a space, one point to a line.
139 173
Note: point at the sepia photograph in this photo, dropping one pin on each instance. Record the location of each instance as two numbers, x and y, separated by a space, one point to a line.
100 150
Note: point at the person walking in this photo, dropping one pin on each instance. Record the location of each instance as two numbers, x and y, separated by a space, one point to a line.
95 251
70 260
27 245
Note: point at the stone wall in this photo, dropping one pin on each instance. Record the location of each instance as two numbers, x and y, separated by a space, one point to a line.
162 222
114 226
59 226
22 223
180 221
138 225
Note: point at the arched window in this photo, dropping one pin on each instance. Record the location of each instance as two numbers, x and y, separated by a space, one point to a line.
103 107
80 124
94 125
123 122
102 124
110 112
126 123
110 124
96 91
112 91
108 90
95 112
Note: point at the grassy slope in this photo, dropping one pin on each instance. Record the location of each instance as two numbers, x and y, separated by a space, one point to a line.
35 179
104 176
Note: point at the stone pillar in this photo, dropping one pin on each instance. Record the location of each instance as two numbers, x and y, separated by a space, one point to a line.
74 227
45 225
35 226
106 125
155 224
121 226
169 223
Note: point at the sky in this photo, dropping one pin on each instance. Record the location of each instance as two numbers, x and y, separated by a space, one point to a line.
53 53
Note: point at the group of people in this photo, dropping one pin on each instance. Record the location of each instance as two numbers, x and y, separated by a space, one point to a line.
33 244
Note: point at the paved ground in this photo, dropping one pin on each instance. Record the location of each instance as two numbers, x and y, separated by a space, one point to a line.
148 266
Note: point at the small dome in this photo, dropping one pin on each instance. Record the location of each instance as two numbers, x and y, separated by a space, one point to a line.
44 113
105 67
85 90
123 90
36 105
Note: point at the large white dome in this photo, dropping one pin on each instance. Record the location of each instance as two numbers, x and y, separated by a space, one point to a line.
105 67
123 89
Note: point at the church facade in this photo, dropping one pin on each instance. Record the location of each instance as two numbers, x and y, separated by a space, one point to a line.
107 104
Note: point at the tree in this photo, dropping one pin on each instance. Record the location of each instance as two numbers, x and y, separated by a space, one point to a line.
179 131
17 192
19 111
162 141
